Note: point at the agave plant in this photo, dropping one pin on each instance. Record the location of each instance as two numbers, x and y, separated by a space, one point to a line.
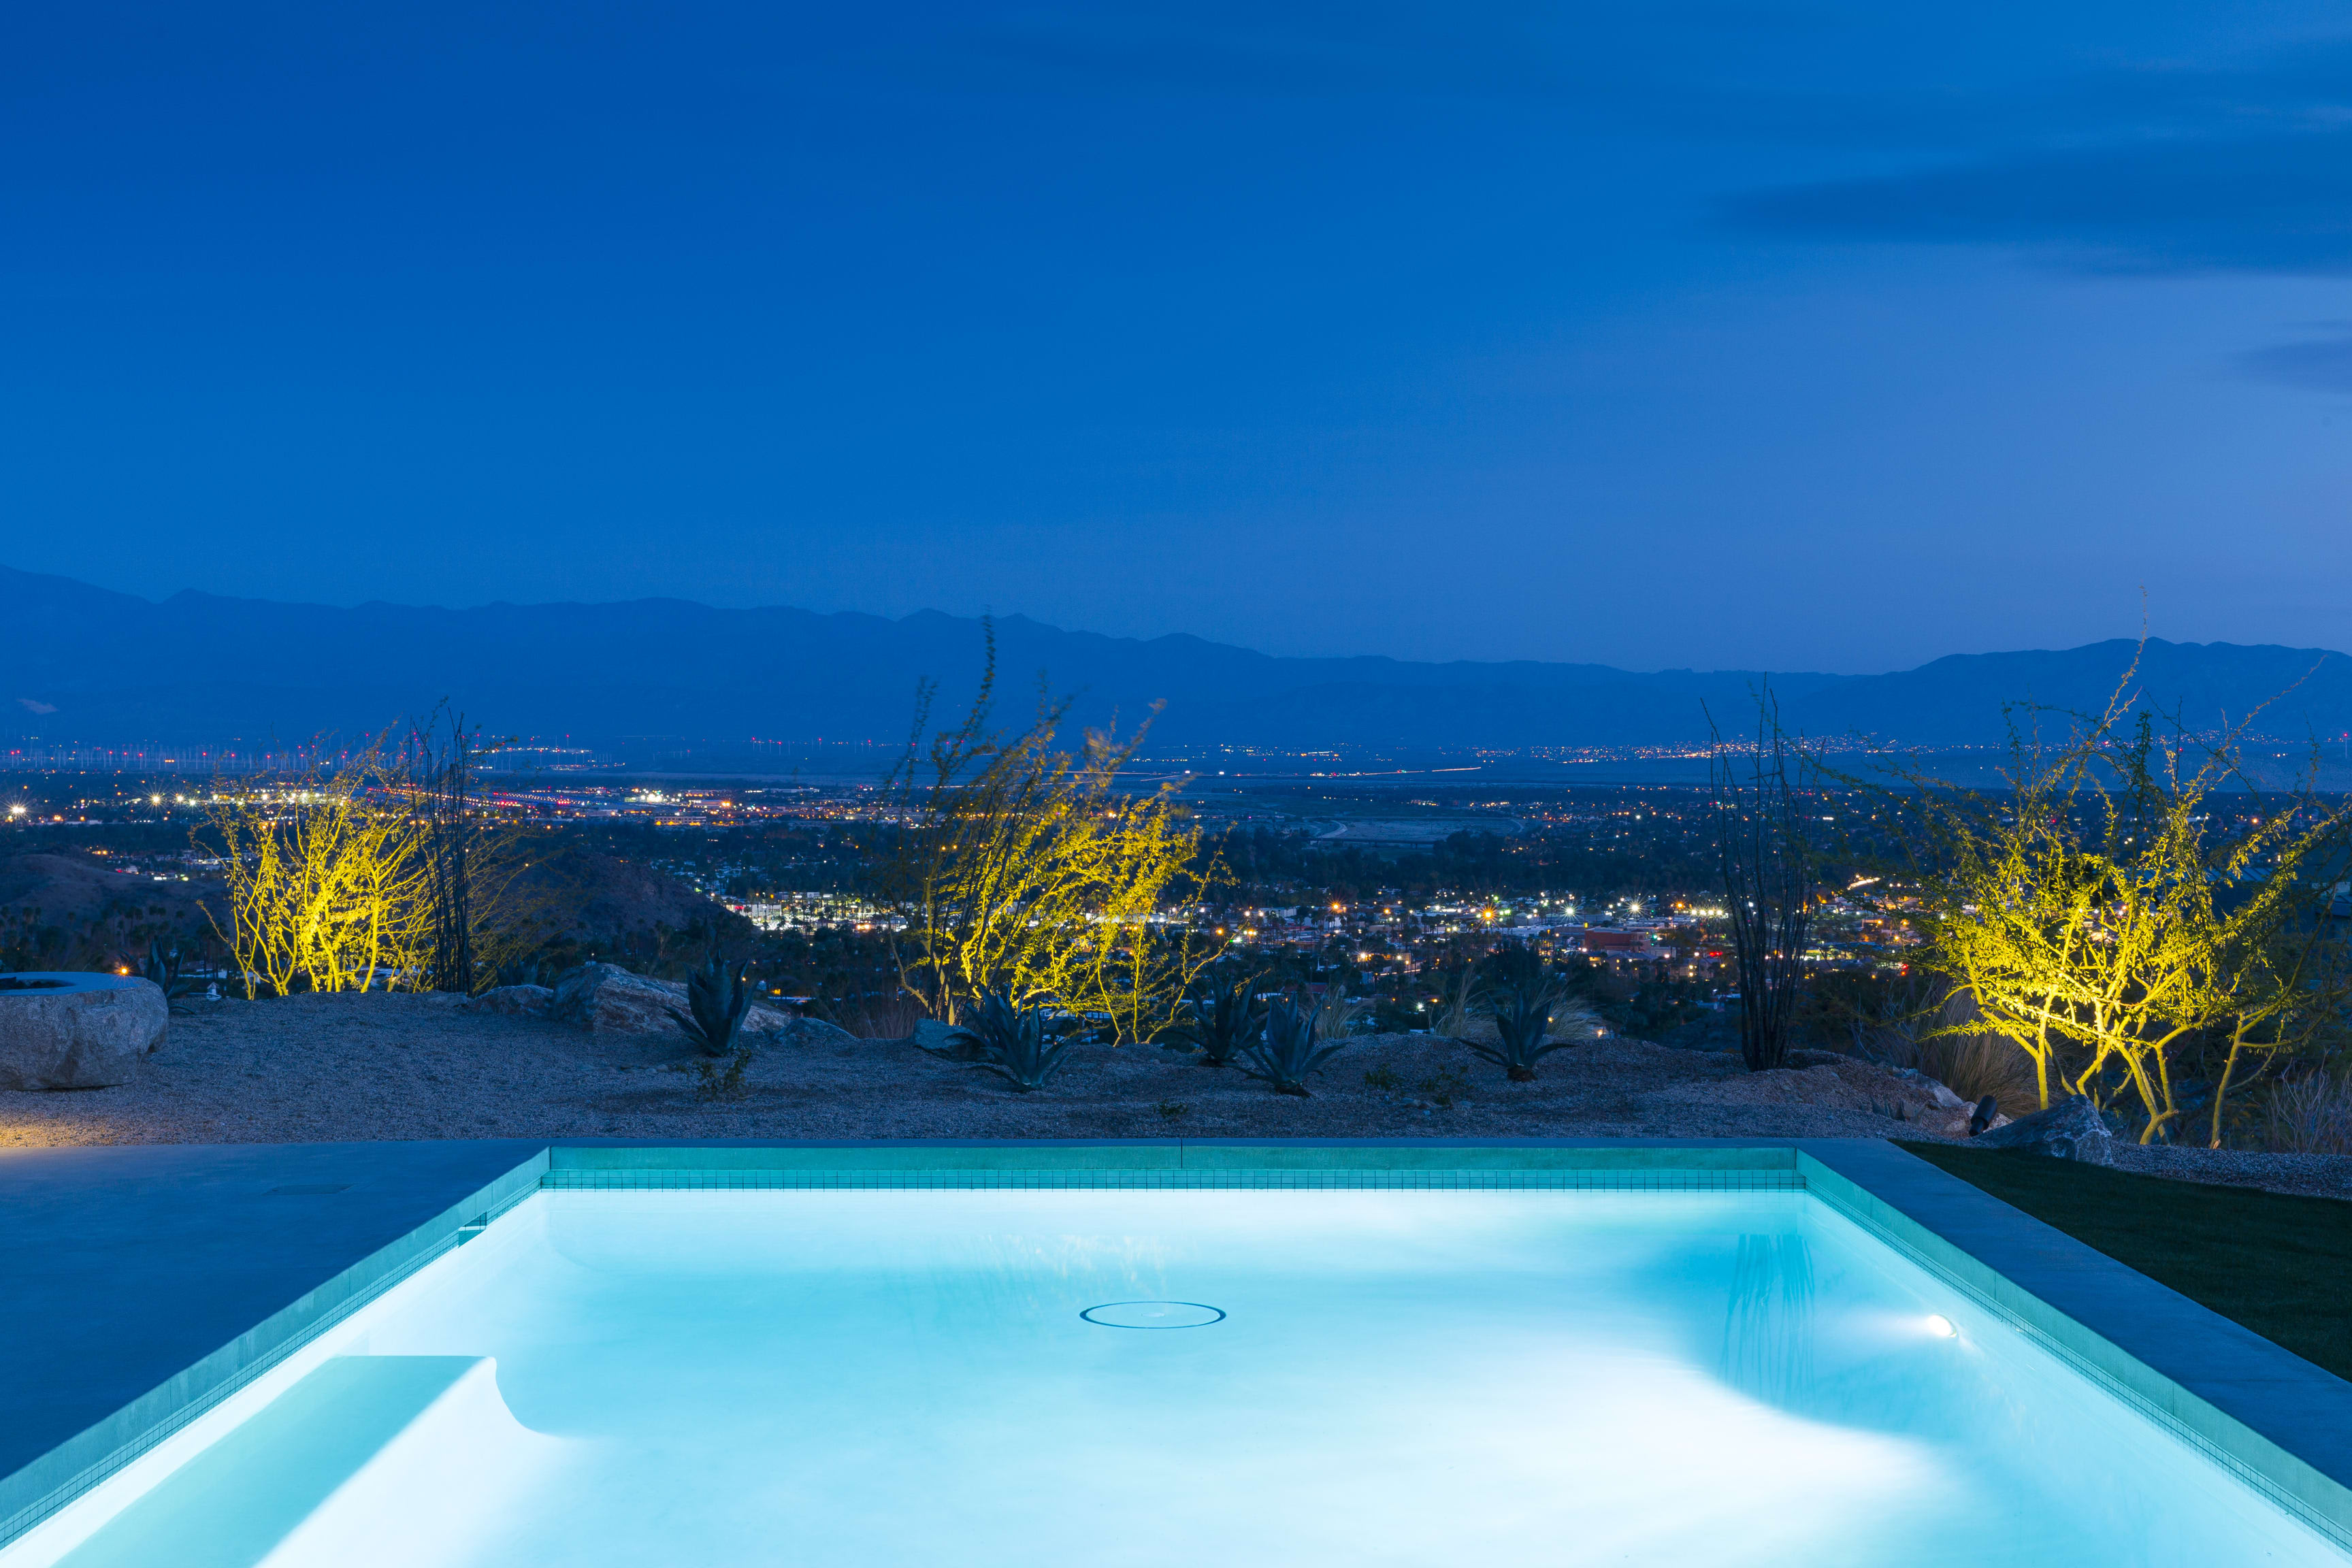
1012 1042
1288 1050
163 967
1222 1018
717 999
1526 1001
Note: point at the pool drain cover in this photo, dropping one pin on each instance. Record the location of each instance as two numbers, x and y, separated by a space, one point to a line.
1153 1315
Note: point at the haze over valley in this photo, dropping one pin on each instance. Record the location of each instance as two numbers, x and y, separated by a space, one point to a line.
84 667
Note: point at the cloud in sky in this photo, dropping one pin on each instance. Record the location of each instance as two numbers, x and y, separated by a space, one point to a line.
2155 169
2316 364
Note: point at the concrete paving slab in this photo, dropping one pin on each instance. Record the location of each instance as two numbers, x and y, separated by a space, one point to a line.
142 1281
2259 1409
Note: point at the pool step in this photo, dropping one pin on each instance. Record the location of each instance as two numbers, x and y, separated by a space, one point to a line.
393 1459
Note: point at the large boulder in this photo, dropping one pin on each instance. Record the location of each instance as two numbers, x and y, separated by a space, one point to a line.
772 1027
605 999
2070 1130
60 1030
934 1036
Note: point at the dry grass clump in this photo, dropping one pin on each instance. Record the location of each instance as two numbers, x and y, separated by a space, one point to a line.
2311 1115
1979 1063
878 1017
1972 1063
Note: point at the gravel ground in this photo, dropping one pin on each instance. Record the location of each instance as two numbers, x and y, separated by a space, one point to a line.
315 1068
324 1068
2313 1176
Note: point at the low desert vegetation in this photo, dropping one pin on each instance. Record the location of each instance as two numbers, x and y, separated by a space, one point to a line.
2129 917
2136 946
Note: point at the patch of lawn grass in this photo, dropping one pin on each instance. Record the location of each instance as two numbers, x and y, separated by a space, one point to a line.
2280 1265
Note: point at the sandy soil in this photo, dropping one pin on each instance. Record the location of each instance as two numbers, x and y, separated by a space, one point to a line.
321 1068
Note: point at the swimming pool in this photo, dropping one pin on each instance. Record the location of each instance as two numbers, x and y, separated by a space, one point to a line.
999 1374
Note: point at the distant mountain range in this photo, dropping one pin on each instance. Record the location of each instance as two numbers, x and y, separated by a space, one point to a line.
84 665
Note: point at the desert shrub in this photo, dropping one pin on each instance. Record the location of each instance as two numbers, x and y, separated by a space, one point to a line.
1289 1048
1012 1042
2311 1115
2107 918
713 1082
1443 1086
1979 1063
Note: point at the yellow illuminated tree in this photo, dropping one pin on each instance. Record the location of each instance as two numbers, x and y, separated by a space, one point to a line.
1032 871
328 883
2079 908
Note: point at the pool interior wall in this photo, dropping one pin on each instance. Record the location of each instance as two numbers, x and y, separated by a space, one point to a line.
1872 1190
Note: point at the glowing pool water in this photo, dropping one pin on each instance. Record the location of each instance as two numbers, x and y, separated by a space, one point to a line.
861 1377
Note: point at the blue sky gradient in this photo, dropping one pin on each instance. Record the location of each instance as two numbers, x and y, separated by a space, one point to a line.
1824 336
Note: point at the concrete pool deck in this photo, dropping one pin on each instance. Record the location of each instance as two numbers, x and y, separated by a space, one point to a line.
147 1282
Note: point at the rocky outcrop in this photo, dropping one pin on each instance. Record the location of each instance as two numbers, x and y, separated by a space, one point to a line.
78 1031
2070 1130
605 999
525 1001
1916 1102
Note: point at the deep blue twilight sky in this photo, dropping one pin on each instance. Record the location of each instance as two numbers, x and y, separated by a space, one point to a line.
1442 329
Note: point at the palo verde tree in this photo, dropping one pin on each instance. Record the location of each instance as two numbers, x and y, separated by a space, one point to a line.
382 868
328 880
2133 904
1031 872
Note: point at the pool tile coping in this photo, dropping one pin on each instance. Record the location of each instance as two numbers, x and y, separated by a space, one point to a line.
2276 1420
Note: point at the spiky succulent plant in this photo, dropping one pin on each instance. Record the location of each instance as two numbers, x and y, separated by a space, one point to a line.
1222 1016
1288 1049
1528 1002
1012 1042
717 999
